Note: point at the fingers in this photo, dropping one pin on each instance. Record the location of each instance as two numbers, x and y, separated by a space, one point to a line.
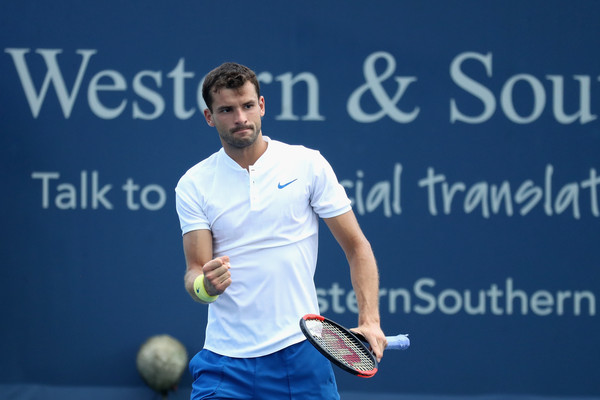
378 347
218 263
376 339
217 277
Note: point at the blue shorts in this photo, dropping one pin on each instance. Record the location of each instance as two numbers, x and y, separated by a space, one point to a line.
298 372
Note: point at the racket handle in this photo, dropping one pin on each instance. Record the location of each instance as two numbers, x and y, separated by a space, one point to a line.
398 342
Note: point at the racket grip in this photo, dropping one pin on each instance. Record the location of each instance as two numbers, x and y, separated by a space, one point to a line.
398 342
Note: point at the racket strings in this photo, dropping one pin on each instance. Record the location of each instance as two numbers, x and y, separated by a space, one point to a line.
343 347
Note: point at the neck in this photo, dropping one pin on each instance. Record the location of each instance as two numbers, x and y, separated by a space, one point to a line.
247 156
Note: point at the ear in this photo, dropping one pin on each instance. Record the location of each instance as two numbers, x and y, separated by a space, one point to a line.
208 117
261 104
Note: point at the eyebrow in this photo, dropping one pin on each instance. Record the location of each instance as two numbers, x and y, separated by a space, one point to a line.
220 108
225 106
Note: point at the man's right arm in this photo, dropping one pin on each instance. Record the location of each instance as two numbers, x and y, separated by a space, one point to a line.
198 250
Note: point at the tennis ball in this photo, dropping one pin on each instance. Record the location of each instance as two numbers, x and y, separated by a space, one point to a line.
161 361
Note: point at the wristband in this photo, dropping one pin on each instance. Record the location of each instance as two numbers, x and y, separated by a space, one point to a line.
201 292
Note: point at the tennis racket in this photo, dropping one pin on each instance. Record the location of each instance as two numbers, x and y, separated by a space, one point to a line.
344 348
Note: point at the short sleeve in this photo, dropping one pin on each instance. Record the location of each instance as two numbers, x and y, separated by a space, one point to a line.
328 197
191 215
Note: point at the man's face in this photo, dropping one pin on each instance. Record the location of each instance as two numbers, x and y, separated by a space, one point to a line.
236 115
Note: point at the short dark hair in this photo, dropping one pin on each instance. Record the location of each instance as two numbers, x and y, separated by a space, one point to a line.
228 75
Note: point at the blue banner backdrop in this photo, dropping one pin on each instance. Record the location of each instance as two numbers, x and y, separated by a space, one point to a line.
465 132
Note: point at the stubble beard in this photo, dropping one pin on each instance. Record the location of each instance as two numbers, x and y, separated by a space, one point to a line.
240 142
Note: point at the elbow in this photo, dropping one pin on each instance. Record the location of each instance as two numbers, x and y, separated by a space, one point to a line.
360 250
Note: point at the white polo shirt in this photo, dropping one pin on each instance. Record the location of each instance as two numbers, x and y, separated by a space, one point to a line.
266 220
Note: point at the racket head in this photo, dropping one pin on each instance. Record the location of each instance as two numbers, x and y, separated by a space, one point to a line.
339 345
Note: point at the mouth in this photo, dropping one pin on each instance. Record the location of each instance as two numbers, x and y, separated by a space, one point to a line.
241 129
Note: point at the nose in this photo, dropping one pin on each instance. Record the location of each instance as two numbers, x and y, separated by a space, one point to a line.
240 116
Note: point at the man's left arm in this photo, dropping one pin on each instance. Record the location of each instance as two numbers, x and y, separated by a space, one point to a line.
364 275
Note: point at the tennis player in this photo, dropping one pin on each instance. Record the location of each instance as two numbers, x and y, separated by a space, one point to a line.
249 215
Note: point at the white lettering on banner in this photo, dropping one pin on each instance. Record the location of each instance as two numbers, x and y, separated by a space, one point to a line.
149 103
146 85
67 194
369 195
179 74
131 188
118 85
373 85
489 198
53 76
150 96
538 95
287 83
497 300
383 193
70 196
